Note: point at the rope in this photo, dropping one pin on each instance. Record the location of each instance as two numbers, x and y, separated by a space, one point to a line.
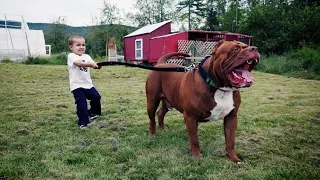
170 69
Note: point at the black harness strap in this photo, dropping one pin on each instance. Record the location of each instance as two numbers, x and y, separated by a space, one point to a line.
169 69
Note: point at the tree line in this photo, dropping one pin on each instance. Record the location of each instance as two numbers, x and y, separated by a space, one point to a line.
276 26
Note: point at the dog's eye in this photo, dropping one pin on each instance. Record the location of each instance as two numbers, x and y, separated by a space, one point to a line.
235 49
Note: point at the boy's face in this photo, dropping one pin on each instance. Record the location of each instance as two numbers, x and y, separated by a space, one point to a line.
78 46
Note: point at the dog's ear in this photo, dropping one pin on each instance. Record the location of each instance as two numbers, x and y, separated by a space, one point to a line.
241 43
217 45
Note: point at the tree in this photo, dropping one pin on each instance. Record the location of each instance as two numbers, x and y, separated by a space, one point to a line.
58 35
96 40
152 11
211 16
280 26
108 26
232 17
110 14
193 10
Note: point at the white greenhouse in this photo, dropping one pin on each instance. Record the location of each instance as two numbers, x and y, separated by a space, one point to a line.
17 41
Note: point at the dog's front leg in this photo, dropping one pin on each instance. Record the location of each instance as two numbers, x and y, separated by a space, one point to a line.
192 128
230 126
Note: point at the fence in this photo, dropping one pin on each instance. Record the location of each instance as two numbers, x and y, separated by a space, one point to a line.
197 49
12 54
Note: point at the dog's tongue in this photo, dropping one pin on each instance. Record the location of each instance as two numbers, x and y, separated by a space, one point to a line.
240 77
247 75
244 74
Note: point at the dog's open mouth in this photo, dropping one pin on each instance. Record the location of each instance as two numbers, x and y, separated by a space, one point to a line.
241 76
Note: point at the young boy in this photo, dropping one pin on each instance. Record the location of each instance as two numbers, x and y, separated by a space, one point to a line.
81 85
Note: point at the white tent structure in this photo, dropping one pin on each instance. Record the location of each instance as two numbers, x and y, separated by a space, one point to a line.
17 41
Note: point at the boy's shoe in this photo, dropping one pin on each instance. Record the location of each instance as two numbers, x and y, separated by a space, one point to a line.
83 126
93 117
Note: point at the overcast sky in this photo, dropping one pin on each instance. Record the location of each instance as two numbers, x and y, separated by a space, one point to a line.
77 12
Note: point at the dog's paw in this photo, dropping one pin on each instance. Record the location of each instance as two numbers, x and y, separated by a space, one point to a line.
163 127
234 158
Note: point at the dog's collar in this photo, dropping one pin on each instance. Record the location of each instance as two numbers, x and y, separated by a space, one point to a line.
205 76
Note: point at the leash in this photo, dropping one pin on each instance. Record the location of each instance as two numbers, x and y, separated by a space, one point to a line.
205 76
172 69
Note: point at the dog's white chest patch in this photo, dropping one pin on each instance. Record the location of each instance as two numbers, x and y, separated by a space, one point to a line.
224 100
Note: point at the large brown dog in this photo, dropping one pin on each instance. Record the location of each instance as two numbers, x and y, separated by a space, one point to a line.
208 92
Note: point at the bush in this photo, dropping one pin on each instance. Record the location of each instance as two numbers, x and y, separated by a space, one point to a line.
60 59
309 58
37 60
278 65
304 63
57 59
6 60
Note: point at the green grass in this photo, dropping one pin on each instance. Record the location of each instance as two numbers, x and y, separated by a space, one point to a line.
278 135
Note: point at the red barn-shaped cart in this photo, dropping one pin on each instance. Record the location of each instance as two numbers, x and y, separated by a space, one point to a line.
151 42
137 44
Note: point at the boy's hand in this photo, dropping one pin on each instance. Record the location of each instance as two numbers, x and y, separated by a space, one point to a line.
95 66
99 67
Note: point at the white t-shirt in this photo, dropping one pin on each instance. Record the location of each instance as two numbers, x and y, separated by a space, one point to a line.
79 76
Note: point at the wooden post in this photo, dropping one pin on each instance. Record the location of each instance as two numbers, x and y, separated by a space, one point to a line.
25 31
112 50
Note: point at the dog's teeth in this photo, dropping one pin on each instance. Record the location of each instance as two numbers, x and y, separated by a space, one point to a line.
235 75
249 61
256 60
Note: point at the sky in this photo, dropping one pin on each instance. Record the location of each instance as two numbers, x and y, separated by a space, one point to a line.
77 12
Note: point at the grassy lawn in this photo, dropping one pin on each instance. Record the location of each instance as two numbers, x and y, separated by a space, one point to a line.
278 134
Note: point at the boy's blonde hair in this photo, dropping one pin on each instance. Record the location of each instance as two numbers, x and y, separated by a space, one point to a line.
71 39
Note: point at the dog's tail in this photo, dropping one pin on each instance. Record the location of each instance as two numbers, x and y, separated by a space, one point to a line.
164 58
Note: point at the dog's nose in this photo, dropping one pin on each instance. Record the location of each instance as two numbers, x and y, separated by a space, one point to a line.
253 48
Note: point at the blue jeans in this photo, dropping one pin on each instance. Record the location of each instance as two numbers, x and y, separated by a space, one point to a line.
81 95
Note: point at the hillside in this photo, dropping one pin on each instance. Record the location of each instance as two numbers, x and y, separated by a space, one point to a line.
80 30
46 27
